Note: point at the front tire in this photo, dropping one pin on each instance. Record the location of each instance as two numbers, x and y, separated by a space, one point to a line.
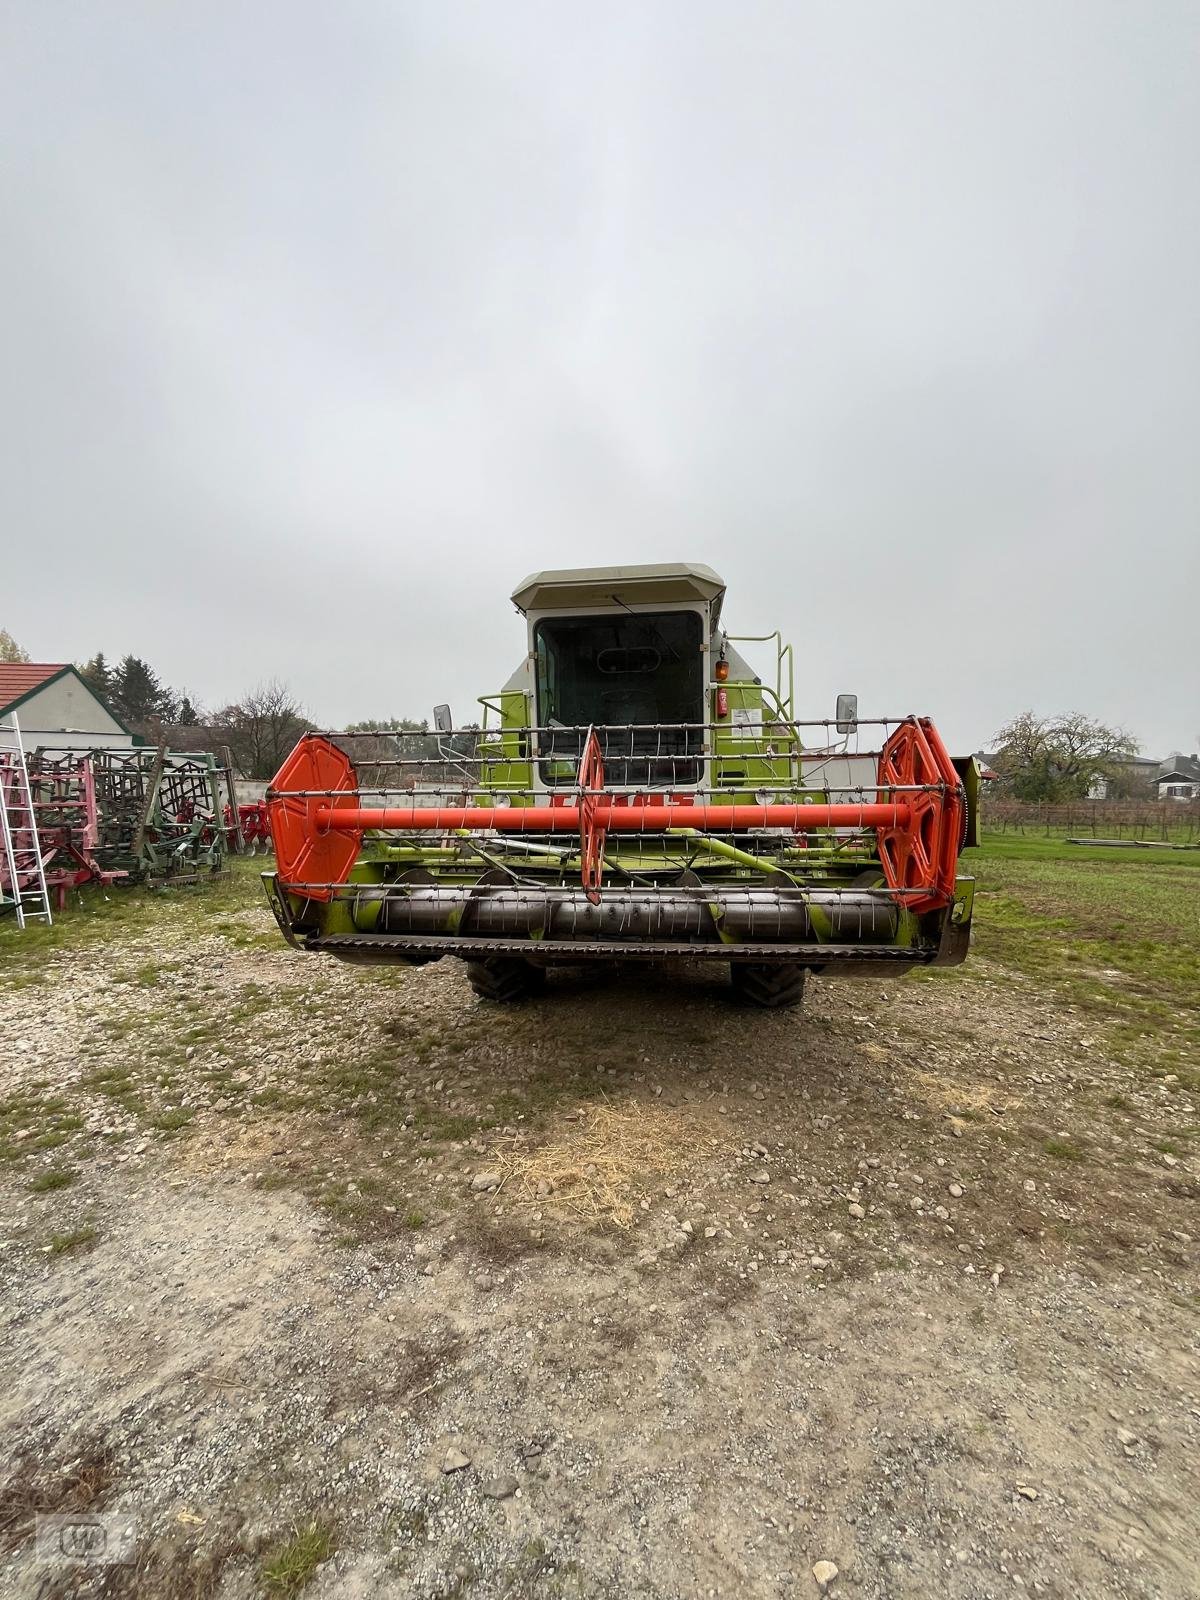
772 986
505 978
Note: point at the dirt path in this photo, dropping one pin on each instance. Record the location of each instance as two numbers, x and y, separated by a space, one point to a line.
905 1282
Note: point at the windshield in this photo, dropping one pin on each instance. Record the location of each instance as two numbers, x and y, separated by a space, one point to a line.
642 668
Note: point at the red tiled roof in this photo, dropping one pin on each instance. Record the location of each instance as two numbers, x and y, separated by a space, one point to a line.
17 678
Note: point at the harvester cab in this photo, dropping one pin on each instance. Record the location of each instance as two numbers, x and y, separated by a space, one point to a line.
635 791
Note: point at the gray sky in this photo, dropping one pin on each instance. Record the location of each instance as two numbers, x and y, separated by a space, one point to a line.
324 324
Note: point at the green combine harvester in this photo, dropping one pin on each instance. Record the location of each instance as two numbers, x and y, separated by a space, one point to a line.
635 792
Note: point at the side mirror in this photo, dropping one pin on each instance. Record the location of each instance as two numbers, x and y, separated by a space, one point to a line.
847 713
443 720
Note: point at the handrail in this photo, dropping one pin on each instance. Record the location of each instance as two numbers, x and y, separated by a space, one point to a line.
782 650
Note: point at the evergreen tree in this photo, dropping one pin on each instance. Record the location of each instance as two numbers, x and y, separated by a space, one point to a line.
97 674
139 695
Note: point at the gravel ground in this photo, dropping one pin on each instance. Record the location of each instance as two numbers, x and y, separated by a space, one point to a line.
623 1292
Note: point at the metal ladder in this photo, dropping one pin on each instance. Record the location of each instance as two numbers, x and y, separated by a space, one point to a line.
24 886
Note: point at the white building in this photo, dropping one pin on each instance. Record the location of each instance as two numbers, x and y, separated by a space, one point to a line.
56 707
1179 778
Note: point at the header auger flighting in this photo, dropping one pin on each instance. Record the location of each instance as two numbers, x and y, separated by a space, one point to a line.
635 792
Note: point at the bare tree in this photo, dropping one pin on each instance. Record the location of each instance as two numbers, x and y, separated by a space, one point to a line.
1059 758
261 729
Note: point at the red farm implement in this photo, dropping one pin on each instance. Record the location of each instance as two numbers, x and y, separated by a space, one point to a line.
253 827
63 789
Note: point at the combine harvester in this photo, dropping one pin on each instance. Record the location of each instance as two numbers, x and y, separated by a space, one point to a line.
635 792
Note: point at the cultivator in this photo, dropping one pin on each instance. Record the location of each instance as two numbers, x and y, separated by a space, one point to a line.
63 789
126 814
545 839
251 831
159 813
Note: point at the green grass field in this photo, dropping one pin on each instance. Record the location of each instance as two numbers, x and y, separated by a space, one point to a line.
1116 932
95 915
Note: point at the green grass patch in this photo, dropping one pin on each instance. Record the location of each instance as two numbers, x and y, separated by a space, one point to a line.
1063 1150
445 1127
171 1120
1114 932
1054 847
268 1182
61 1243
146 976
273 1098
98 915
31 1121
290 1566
343 1207
52 1178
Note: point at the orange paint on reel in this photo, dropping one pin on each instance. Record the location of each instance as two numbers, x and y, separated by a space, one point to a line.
308 851
920 857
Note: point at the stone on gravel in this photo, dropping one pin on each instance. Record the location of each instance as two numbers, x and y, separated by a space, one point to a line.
482 1182
500 1488
824 1572
760 1177
455 1461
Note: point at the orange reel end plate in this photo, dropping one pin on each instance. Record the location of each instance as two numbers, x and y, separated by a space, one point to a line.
310 858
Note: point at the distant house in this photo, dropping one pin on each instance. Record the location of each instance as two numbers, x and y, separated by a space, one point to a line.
1132 774
56 707
1178 778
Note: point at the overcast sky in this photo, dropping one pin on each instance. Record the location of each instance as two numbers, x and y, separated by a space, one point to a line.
325 324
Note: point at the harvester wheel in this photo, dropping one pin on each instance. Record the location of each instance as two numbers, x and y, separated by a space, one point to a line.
505 978
774 986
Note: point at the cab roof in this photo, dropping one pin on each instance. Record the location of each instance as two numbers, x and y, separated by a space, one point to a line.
585 588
